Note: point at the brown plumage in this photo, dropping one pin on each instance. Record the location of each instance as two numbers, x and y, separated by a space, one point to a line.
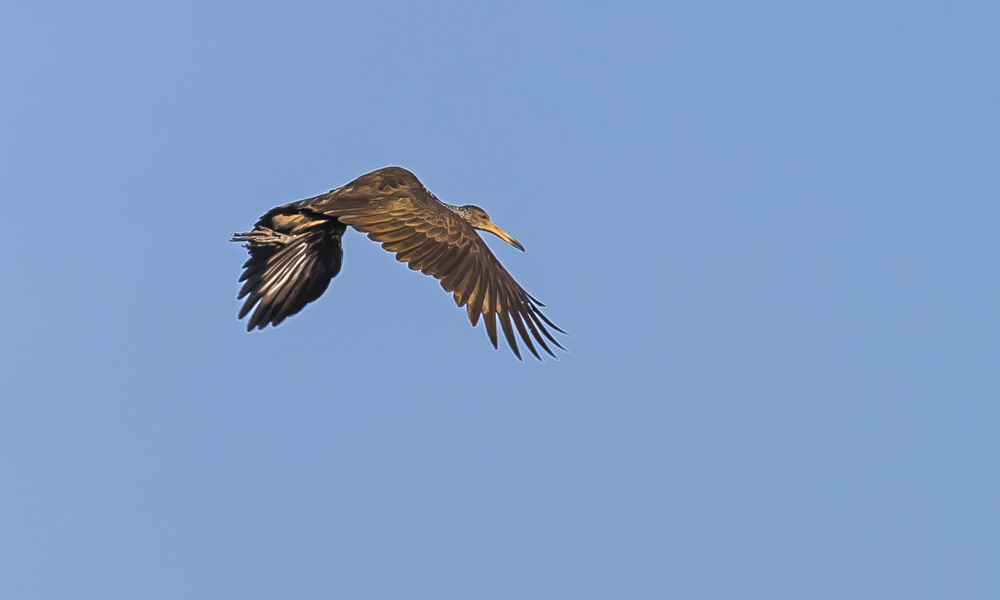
295 251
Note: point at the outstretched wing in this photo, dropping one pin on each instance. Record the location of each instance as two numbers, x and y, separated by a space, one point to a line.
431 238
292 260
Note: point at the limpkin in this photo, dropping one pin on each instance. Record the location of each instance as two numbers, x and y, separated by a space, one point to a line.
295 251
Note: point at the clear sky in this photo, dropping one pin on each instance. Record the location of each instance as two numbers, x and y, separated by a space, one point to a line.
771 228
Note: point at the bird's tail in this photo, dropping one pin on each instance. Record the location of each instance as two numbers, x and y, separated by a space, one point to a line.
285 272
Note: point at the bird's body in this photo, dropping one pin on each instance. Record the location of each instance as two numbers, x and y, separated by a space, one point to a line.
295 250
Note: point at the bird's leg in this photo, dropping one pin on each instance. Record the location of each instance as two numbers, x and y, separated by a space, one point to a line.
262 236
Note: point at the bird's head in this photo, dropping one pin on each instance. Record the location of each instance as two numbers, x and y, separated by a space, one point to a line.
478 218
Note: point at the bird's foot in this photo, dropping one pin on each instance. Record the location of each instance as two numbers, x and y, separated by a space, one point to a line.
262 236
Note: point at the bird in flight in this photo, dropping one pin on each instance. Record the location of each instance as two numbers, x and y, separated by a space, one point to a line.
295 251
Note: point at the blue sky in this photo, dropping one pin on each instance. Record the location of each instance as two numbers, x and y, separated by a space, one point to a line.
771 229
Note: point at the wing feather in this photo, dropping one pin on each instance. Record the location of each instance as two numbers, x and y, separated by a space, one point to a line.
519 323
405 249
489 317
532 322
508 331
474 298
427 261
418 257
457 279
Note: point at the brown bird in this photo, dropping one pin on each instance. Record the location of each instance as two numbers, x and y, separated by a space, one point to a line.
295 251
